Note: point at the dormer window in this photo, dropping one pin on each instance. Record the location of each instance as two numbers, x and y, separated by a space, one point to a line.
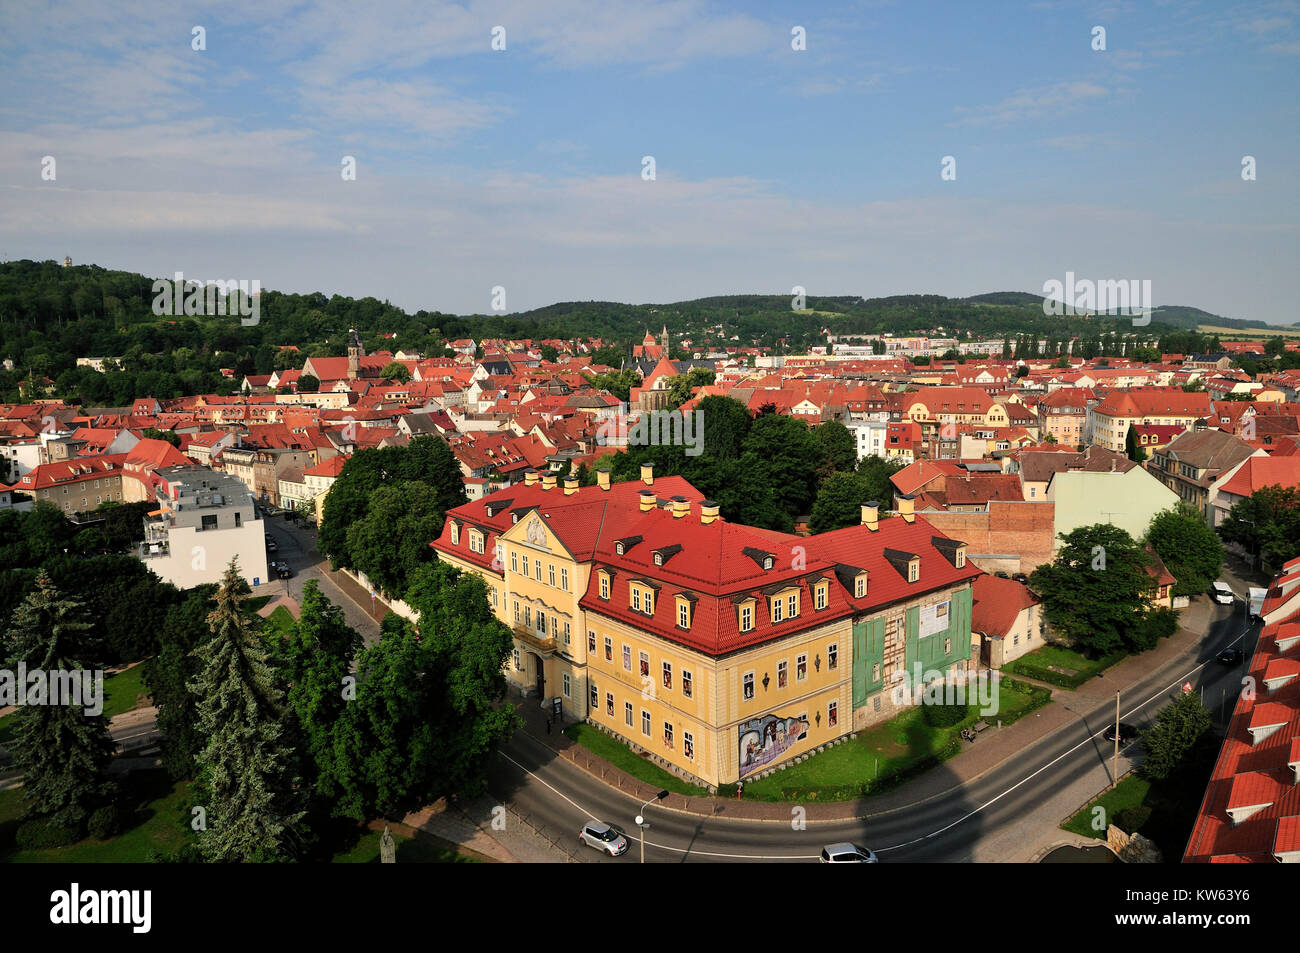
767 562
821 595
659 559
913 570
455 533
860 586
604 585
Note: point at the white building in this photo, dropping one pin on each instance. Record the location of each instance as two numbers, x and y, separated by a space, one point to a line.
204 519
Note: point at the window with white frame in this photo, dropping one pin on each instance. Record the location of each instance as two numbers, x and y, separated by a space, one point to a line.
820 596
595 696
514 561
609 704
591 641
833 655
567 679
627 713
564 578
668 734
604 586
668 674
687 687
782 674
748 686
518 663
688 745
645 664
747 617
525 564
777 609
645 722
801 668
550 574
609 649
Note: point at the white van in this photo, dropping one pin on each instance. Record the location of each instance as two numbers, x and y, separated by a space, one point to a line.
1223 593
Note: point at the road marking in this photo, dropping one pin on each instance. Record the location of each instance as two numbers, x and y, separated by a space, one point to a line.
1176 682
650 843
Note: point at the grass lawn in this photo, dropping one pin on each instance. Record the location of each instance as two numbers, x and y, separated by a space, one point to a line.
253 603
410 850
623 757
895 745
1061 666
156 825
124 691
1172 803
279 622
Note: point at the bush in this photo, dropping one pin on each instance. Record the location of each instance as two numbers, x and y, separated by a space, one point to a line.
1131 819
105 822
944 716
43 833
1157 624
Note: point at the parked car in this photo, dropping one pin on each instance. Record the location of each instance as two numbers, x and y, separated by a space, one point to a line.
284 572
1021 578
847 854
1127 733
1223 593
272 546
606 837
1001 575
1231 656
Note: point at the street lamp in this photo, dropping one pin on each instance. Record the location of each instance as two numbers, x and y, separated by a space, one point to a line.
640 821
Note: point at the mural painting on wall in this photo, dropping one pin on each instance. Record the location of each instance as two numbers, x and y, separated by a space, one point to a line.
763 740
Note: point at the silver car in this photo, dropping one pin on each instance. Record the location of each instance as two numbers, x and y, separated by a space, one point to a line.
604 837
847 854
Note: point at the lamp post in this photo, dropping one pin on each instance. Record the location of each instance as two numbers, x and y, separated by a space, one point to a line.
1114 766
640 821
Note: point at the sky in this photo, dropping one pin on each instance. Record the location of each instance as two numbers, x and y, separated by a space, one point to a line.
524 168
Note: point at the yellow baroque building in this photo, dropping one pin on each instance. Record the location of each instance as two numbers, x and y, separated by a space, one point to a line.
722 650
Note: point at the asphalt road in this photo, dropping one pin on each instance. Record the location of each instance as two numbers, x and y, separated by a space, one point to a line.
558 796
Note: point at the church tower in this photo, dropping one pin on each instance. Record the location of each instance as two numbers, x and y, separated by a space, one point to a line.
663 340
355 353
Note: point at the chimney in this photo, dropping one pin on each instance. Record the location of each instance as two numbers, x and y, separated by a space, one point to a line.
680 507
871 515
602 478
549 480
647 500
648 474
708 512
570 485
530 477
906 508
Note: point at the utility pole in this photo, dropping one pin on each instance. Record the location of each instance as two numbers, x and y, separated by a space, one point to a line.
641 823
1114 768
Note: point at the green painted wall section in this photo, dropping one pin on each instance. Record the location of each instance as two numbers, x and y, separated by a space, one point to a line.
868 652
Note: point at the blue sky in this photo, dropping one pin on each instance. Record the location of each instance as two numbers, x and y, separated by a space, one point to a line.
774 167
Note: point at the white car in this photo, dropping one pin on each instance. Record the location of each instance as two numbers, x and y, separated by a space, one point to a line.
1223 594
606 837
847 854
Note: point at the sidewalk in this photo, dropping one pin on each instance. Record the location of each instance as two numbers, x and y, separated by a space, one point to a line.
994 746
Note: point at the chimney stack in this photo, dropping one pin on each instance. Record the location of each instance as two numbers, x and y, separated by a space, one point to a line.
708 512
602 478
680 507
530 477
648 474
906 507
570 485
548 480
647 500
871 515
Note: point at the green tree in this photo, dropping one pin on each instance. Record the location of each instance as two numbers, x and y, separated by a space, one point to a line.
61 749
837 448
725 422
168 675
791 454
318 659
877 472
1267 525
1095 592
153 433
428 713
839 502
1179 726
393 538
1131 448
251 802
395 371
1188 547
308 384
681 385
